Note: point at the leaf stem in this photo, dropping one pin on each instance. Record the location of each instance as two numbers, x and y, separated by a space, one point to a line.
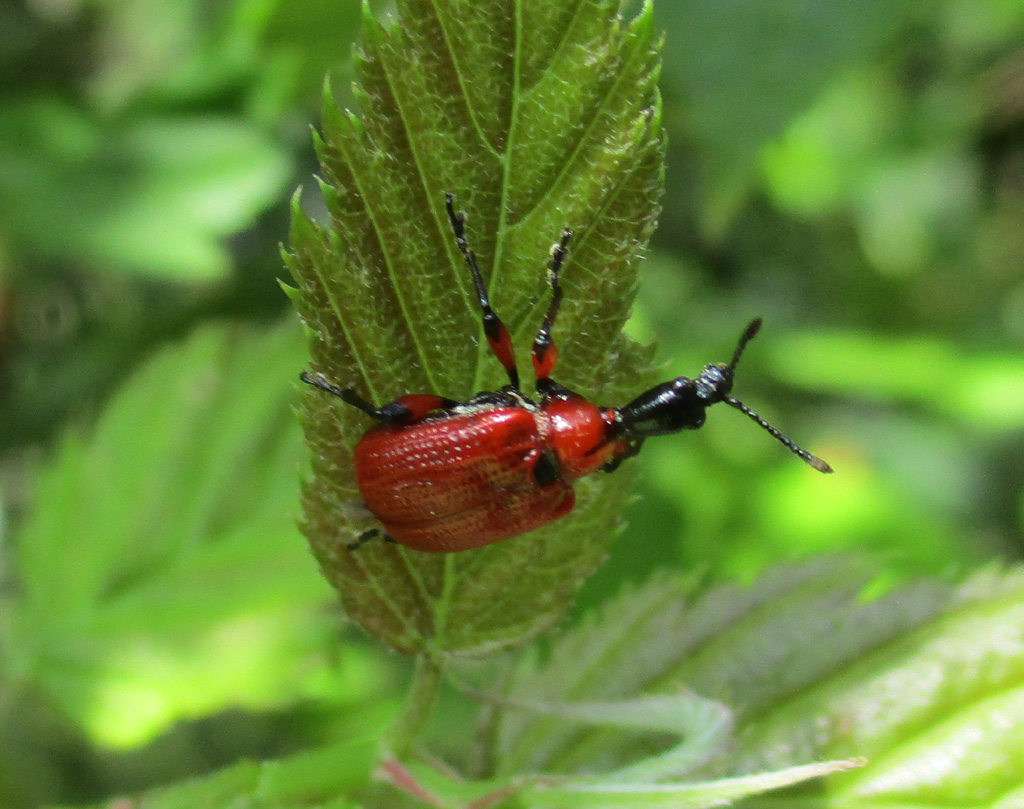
423 691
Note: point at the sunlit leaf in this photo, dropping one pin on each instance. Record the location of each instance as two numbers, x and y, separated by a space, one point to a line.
922 682
160 571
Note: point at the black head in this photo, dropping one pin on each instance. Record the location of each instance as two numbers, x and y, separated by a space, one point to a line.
681 404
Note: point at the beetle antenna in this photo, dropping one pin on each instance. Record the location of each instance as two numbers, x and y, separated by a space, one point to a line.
813 460
346 394
748 334
318 381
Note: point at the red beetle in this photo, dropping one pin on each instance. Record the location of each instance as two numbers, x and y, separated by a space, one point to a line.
442 476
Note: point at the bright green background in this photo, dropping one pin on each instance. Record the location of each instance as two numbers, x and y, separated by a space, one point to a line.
854 173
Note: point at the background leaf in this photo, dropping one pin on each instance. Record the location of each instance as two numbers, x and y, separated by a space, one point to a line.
680 796
156 196
494 103
432 788
318 779
161 564
726 57
922 682
704 728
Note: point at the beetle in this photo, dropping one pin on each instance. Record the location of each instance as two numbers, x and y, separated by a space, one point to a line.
441 475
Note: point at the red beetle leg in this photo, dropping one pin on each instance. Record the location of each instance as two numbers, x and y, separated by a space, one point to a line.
501 345
419 405
497 335
545 352
404 410
545 355
621 449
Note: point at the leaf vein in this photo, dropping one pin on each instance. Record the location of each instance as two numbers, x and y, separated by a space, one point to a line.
389 263
346 329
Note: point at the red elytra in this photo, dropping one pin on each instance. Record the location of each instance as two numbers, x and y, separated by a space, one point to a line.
442 476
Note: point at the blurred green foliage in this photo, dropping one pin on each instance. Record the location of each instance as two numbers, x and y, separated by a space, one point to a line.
854 173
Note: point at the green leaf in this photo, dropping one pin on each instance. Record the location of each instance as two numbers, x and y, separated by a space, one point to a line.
922 682
536 116
609 656
918 689
155 196
318 779
703 726
746 68
985 390
660 638
435 788
937 710
676 796
329 778
161 574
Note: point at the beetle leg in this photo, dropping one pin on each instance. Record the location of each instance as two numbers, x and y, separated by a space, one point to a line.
632 448
362 539
404 410
545 352
367 536
497 335
415 406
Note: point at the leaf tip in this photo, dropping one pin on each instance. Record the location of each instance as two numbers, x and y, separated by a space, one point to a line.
370 27
292 293
295 203
302 229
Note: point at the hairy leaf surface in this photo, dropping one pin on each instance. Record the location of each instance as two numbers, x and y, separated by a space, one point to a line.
923 683
536 116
